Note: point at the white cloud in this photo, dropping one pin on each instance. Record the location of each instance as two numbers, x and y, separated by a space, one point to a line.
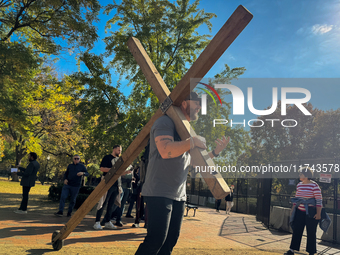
321 29
300 31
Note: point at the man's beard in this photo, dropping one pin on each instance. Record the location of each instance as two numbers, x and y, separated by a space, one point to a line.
191 112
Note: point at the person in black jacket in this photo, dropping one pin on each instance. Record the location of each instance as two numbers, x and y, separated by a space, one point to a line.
28 180
72 182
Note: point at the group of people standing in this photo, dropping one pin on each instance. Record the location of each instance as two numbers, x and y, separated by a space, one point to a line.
113 200
164 187
117 196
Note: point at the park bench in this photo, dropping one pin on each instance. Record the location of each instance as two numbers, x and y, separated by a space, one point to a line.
188 206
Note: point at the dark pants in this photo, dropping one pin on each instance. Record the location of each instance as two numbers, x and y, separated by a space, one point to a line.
73 192
118 211
112 193
300 221
140 209
218 204
132 201
164 224
24 201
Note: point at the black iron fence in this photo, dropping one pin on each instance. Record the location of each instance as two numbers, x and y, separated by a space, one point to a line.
248 196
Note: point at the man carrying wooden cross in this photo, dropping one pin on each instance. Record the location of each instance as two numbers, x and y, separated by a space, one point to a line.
165 182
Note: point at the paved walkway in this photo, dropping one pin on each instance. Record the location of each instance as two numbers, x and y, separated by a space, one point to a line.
207 233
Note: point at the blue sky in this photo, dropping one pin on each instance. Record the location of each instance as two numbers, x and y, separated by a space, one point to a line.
285 39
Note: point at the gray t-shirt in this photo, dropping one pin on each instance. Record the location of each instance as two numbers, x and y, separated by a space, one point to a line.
165 177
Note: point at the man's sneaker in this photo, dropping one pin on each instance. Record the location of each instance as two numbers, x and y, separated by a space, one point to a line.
109 225
119 224
135 225
128 216
20 211
289 253
97 226
69 214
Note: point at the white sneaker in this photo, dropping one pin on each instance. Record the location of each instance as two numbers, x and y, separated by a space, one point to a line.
109 225
20 212
97 226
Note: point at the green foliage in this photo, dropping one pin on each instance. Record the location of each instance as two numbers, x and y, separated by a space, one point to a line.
2 145
34 105
94 170
47 123
86 113
39 23
167 30
100 110
84 192
54 192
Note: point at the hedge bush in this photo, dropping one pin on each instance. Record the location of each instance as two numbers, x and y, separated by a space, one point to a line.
54 194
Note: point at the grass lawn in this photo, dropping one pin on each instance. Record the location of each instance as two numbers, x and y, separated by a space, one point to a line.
11 195
10 187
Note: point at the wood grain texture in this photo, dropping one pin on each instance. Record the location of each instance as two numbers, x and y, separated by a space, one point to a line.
217 46
149 70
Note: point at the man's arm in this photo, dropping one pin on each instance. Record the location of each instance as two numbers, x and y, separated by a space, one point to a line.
220 145
84 172
29 170
105 169
168 148
21 168
66 175
103 165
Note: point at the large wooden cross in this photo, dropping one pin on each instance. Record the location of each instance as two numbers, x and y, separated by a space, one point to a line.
170 103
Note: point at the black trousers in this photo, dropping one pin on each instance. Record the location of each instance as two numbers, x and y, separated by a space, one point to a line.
164 225
24 201
112 193
218 204
300 221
